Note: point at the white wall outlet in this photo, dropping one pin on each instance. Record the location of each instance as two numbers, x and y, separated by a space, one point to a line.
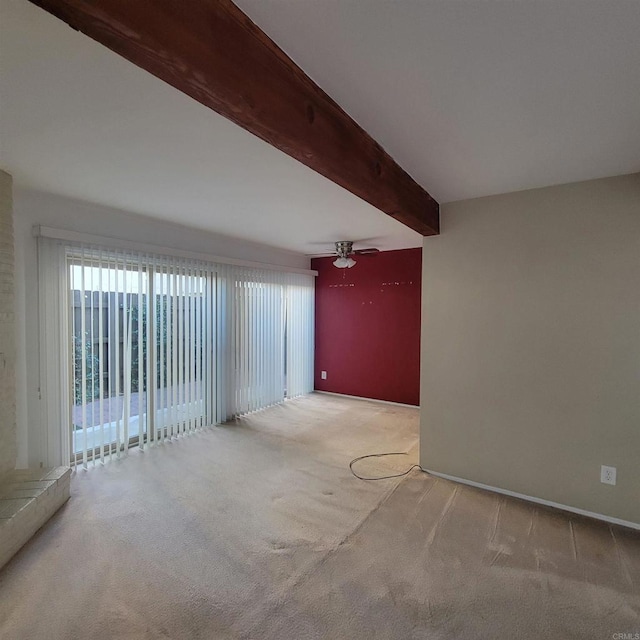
323 375
607 474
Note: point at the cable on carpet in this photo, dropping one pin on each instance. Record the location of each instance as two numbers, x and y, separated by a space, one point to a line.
380 455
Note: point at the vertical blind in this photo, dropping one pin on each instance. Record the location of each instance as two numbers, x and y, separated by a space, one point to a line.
300 332
153 347
253 325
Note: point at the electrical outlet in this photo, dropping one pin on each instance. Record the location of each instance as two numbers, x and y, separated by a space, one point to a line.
607 475
323 375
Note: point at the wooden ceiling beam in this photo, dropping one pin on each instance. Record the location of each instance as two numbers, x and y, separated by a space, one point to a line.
213 52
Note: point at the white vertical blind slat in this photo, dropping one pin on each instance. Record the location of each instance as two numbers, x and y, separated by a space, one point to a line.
152 355
61 297
187 346
116 374
193 345
83 363
174 348
126 357
209 296
45 382
101 342
141 364
93 358
194 302
197 344
179 350
163 341
111 313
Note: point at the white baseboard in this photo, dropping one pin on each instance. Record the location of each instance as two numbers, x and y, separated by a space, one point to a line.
344 395
547 503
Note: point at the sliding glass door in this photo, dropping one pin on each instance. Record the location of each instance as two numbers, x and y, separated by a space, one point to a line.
138 348
108 354
140 343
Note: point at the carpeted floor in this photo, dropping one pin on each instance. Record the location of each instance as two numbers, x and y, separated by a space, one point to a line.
258 530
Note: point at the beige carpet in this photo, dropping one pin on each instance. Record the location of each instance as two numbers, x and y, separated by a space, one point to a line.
258 530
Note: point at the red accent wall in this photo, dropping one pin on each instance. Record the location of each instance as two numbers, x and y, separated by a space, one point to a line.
368 326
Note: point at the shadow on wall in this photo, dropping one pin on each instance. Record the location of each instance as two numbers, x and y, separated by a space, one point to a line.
368 326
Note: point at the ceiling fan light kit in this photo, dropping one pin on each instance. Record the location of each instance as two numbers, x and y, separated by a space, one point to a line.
344 249
344 263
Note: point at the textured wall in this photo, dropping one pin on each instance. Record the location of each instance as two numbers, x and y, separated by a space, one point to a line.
531 344
7 330
368 326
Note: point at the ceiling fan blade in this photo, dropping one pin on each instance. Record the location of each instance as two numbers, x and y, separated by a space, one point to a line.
368 240
364 252
320 255
340 238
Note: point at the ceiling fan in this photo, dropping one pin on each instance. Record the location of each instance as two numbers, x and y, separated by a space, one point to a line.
344 250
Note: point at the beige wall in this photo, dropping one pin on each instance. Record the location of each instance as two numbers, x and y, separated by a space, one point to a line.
7 330
531 344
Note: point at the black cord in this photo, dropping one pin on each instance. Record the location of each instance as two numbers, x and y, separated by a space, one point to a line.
380 455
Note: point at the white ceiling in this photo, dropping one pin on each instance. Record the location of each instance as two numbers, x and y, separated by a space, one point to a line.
472 97
78 120
477 97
